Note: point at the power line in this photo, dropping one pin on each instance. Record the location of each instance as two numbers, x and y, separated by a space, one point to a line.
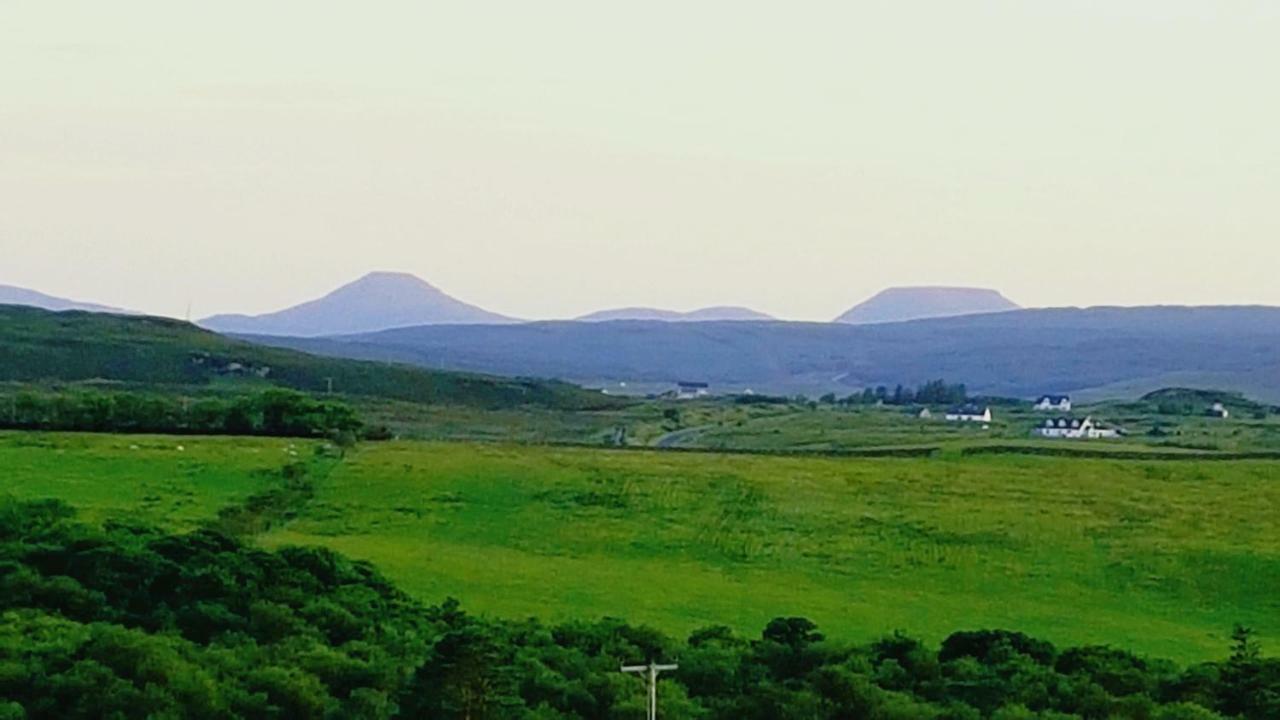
651 671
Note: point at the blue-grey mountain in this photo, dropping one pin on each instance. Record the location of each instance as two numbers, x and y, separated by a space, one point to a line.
920 303
1101 351
724 313
10 295
377 301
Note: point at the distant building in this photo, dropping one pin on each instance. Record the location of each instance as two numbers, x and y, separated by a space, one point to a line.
692 390
969 413
1219 411
1054 403
925 414
1075 428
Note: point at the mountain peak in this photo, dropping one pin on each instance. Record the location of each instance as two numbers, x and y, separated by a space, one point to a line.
899 304
12 295
389 277
388 286
722 313
376 301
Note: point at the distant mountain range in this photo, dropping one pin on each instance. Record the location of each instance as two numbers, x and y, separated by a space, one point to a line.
377 301
388 300
1096 352
711 314
10 295
920 303
984 342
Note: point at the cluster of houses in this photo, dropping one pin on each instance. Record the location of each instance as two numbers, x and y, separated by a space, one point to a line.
1058 426
1073 428
1062 426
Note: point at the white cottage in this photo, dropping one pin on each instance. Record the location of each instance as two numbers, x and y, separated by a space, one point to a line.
1053 403
969 413
692 390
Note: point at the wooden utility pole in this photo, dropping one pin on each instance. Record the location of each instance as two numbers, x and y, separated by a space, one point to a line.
651 672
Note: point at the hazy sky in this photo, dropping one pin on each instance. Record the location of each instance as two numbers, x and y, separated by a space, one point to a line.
543 159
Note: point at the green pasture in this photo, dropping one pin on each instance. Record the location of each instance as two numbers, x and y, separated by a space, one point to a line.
171 481
1160 557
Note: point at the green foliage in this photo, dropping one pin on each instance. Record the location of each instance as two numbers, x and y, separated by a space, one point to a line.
126 621
1192 402
273 412
934 392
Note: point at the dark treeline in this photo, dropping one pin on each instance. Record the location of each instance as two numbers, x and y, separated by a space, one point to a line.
125 621
275 412
934 392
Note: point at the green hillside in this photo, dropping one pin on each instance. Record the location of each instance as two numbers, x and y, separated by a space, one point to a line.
40 346
1161 557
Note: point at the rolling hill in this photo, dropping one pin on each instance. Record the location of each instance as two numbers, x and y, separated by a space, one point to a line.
11 295
710 314
919 303
38 346
377 301
1018 353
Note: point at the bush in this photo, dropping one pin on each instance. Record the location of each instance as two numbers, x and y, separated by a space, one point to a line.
275 412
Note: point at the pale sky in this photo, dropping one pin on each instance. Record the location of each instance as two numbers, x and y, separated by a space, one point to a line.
544 159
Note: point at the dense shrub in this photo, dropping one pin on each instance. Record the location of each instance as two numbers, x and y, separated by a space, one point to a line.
271 412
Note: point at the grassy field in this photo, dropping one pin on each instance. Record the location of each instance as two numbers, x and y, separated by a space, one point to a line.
1157 556
717 425
175 482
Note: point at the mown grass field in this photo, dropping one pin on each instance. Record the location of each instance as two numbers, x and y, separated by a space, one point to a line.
1161 557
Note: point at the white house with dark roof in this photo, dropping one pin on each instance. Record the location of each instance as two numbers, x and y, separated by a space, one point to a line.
692 390
1075 429
1053 403
969 413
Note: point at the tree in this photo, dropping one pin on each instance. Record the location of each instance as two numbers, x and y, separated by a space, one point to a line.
1250 685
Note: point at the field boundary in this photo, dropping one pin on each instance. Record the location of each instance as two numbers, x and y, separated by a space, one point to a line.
1118 454
921 451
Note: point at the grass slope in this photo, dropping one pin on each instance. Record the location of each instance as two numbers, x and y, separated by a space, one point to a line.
1158 556
177 482
38 345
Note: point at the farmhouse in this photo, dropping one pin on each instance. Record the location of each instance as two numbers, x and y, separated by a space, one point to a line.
692 390
1053 403
1075 428
1219 411
969 413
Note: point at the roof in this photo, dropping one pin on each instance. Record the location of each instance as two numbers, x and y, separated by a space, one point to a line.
692 384
968 410
1066 422
1055 399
